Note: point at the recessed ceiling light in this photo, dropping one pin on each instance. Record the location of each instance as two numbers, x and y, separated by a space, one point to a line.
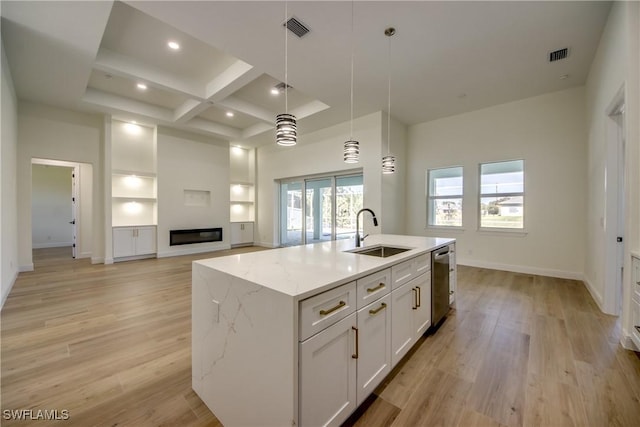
274 91
173 45
142 86
564 76
108 76
229 113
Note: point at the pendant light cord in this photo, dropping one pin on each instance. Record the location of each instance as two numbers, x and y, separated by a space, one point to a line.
389 101
286 46
352 44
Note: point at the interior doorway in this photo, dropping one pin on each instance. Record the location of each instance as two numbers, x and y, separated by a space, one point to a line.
61 224
615 215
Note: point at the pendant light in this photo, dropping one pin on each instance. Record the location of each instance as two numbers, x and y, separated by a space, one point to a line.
351 147
286 128
389 161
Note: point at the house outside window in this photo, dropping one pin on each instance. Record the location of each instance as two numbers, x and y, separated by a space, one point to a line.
444 197
502 195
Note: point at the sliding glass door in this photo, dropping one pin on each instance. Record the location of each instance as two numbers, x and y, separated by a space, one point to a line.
291 213
326 212
318 213
349 200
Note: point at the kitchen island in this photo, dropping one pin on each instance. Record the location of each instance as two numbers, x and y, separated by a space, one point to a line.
301 335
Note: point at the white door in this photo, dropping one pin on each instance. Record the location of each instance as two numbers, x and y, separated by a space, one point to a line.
422 313
403 303
327 375
247 232
124 242
374 337
145 240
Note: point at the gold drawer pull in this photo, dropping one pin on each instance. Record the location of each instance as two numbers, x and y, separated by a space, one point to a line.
332 309
377 288
377 310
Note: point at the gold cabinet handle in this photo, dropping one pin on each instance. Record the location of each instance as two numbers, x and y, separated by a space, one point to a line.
332 309
378 310
415 298
355 355
419 296
377 288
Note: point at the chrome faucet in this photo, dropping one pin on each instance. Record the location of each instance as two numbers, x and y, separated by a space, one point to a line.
375 223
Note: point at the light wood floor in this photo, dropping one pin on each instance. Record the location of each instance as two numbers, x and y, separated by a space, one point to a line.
112 345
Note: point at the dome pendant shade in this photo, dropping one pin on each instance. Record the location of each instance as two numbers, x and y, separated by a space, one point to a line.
388 164
351 151
286 129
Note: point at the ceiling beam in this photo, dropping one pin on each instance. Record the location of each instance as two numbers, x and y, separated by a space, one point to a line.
128 67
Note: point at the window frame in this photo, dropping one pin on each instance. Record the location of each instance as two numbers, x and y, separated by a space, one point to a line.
429 198
513 230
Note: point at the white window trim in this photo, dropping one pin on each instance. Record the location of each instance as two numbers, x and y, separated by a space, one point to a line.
428 198
515 232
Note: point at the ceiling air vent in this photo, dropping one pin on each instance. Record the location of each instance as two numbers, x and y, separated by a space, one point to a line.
557 55
297 27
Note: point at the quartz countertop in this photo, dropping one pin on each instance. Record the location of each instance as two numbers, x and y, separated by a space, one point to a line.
302 271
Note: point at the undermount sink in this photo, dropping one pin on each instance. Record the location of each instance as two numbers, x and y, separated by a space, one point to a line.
380 251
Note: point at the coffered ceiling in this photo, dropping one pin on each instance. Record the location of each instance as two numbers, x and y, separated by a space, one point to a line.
446 58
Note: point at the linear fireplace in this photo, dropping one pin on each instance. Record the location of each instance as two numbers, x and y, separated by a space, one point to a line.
196 235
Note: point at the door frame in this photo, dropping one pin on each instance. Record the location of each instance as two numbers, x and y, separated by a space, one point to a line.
75 195
615 210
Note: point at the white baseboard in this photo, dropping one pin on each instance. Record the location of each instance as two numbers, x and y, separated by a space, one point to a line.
265 245
8 291
83 255
561 274
24 268
98 260
51 245
627 342
192 251
597 297
108 261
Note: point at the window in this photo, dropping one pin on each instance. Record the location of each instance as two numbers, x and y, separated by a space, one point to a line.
444 197
502 195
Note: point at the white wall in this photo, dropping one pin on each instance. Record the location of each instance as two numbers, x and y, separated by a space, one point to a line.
615 65
8 178
191 162
548 132
394 185
51 211
322 152
54 133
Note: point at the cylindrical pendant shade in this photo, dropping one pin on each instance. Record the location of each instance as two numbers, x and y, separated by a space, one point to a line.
351 151
286 129
388 164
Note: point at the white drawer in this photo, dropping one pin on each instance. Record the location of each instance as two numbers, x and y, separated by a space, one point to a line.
325 309
403 272
372 287
422 263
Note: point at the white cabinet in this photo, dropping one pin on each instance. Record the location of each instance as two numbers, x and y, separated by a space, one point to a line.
241 233
374 346
410 315
452 274
344 355
327 375
635 301
134 241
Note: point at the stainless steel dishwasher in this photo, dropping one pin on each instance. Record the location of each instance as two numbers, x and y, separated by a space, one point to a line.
439 284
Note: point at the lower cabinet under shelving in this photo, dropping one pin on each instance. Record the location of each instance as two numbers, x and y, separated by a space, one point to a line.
134 241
